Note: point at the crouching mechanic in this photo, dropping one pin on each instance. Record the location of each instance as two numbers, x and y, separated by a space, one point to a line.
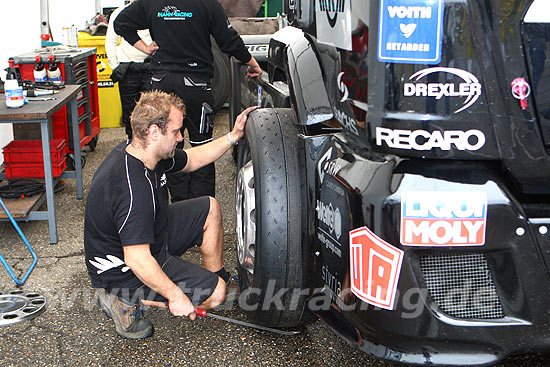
134 238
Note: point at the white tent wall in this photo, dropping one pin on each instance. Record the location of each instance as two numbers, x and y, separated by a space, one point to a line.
20 30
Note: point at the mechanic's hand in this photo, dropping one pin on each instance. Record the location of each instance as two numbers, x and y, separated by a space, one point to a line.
240 122
254 71
182 307
152 48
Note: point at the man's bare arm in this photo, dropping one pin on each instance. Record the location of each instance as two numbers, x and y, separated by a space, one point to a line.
202 155
148 49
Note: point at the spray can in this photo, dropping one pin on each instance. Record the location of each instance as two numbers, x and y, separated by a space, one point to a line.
14 92
54 74
40 73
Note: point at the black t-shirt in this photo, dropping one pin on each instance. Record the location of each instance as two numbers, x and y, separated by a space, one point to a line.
182 30
127 204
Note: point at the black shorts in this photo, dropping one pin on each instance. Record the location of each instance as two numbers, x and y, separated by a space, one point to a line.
185 230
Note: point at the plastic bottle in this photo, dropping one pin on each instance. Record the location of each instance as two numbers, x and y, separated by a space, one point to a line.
54 74
14 92
73 36
40 73
65 36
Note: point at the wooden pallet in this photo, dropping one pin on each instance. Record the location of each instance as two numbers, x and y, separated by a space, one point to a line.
20 208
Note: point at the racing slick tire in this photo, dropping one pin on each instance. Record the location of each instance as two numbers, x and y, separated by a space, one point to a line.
220 78
269 247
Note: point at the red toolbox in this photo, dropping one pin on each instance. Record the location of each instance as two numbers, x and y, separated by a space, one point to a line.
33 170
77 66
24 158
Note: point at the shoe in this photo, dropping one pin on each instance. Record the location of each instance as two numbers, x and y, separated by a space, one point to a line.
232 287
127 318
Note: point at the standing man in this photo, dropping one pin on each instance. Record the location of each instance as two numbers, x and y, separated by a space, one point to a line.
182 64
130 68
133 237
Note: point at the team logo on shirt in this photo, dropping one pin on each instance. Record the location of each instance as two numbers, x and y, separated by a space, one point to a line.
170 12
109 263
163 180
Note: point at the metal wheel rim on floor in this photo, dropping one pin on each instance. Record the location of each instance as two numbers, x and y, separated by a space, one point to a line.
17 305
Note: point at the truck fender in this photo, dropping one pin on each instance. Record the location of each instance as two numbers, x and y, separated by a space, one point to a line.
292 57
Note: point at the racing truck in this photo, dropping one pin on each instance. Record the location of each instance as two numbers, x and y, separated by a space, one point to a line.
396 181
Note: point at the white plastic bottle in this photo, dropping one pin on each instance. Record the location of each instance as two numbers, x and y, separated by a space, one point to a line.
54 74
66 36
73 36
40 73
14 92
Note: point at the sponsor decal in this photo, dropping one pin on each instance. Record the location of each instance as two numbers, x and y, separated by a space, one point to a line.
332 8
469 88
342 87
426 140
325 165
172 13
329 242
258 49
521 90
347 122
410 31
330 216
331 280
375 266
333 22
110 262
443 218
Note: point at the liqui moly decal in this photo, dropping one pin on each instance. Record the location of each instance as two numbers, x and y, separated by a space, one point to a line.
443 218
375 266
470 88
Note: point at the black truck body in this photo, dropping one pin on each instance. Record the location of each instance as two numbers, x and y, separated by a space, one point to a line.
398 176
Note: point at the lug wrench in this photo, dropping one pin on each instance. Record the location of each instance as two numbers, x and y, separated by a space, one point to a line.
203 313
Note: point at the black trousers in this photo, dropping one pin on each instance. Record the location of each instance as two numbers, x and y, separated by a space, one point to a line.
137 79
201 182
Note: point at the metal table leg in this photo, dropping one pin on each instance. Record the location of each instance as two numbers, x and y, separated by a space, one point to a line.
73 113
48 180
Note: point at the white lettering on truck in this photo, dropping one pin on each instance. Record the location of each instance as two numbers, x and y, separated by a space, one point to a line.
425 140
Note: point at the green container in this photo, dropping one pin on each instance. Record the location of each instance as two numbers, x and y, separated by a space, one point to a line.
270 8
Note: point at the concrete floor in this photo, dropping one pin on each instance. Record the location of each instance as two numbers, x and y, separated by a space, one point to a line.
74 332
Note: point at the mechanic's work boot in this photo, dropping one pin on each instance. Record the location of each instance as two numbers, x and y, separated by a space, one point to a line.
232 286
127 318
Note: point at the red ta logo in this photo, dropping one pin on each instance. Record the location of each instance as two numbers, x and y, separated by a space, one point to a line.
375 266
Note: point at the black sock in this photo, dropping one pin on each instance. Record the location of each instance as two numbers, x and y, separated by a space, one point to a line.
222 273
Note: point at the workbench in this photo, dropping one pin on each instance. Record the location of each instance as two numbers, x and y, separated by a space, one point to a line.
41 112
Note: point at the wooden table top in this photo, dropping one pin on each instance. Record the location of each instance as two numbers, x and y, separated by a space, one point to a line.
39 110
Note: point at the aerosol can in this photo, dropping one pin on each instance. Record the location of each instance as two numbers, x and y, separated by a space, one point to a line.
13 91
40 73
54 74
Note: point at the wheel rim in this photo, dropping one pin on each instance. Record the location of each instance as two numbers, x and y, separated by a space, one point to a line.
246 218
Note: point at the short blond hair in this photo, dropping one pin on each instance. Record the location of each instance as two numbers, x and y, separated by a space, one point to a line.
153 108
